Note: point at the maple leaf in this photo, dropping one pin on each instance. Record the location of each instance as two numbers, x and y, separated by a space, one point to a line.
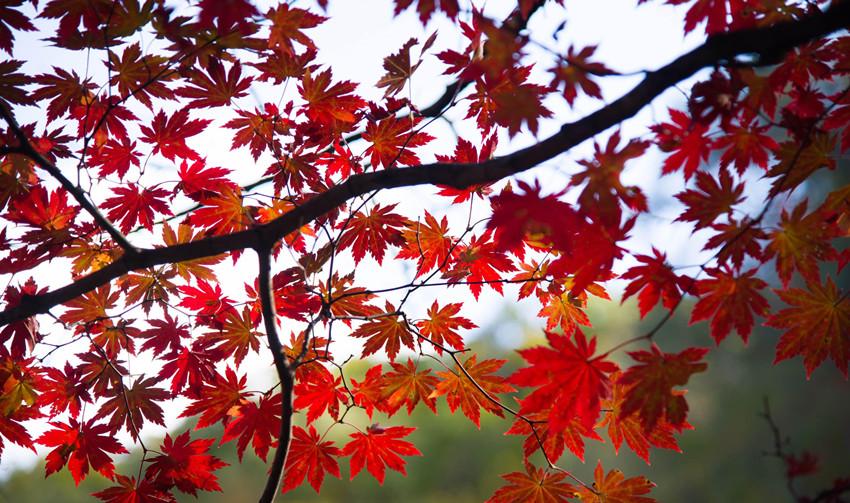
217 89
14 19
217 398
565 311
651 384
745 145
614 487
461 392
509 101
816 325
655 280
480 263
115 157
392 141
465 153
729 299
134 204
441 326
799 242
258 423
345 300
533 486
80 446
574 71
630 428
287 26
12 430
257 129
10 81
140 76
198 268
398 69
686 140
604 189
388 331
320 391
710 199
379 448
63 89
169 134
405 384
223 213
797 162
428 242
309 456
65 390
185 464
226 15
373 232
236 334
736 240
89 310
570 381
23 334
331 106
189 367
133 405
165 334
572 437
129 490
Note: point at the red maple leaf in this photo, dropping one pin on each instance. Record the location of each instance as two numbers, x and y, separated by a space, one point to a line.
574 71
406 384
686 140
388 331
393 140
287 26
258 423
129 490
309 456
169 134
710 199
615 487
330 106
217 398
131 406
569 380
536 485
134 204
651 383
373 232
655 280
185 464
80 446
320 391
217 89
460 391
817 325
729 299
427 242
379 448
442 325
630 428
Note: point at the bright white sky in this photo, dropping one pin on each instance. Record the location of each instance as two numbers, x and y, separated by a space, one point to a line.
354 42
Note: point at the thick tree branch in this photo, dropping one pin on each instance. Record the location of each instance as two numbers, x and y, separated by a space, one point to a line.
717 50
285 373
25 148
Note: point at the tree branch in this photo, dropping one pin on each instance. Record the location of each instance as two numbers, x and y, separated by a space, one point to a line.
25 148
285 373
719 49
